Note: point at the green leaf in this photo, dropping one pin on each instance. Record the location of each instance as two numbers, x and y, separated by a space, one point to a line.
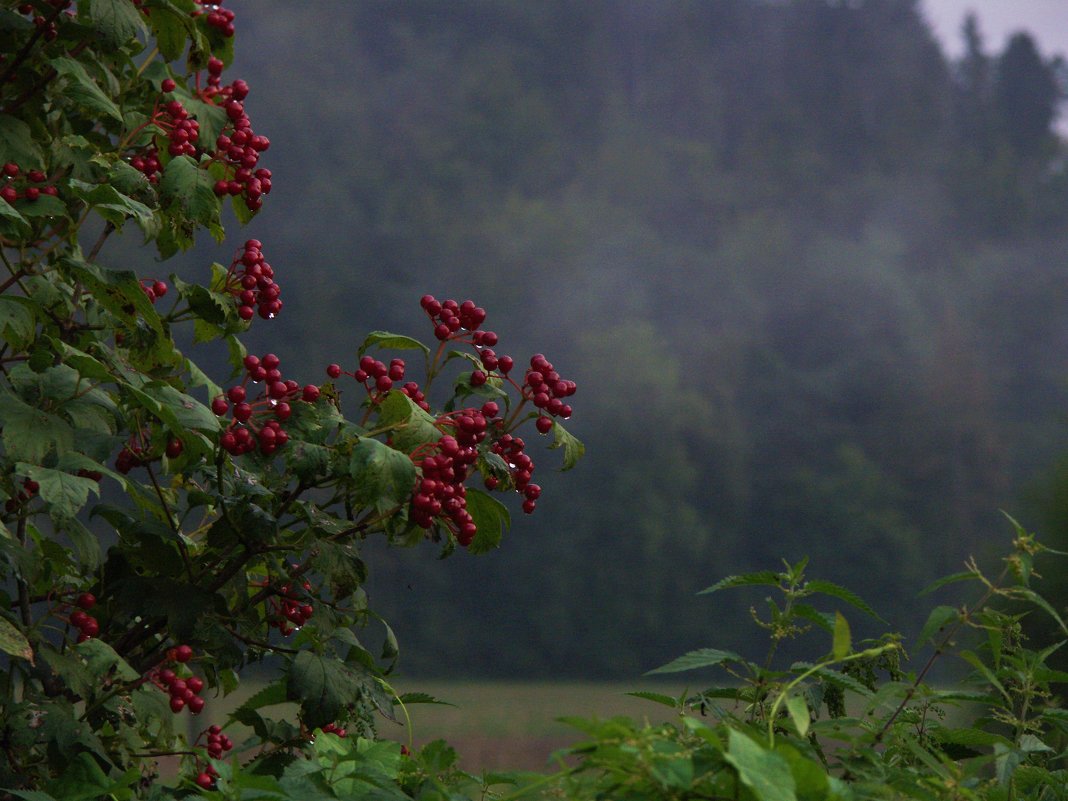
940 616
191 189
656 698
11 220
14 642
101 659
323 686
18 324
967 575
111 204
381 474
82 779
65 494
384 339
17 144
701 658
177 409
573 448
842 594
118 20
764 772
44 206
83 90
419 698
30 433
766 578
799 714
491 518
414 427
843 641
171 29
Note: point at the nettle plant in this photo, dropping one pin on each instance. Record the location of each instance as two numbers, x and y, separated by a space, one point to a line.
160 532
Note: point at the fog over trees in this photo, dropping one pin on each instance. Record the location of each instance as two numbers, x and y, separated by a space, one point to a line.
810 275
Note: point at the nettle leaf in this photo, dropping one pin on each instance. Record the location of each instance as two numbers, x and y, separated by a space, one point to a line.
491 518
384 339
64 493
111 204
414 427
701 658
765 578
940 617
30 434
766 773
323 686
381 474
118 20
842 594
83 90
573 448
14 642
18 145
191 188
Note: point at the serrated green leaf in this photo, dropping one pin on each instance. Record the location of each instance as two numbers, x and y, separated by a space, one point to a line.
102 659
701 658
950 579
842 594
766 773
111 204
420 698
573 447
413 426
17 144
381 475
323 686
656 698
11 220
939 617
14 642
18 324
384 339
64 493
118 20
179 410
171 29
491 518
190 188
766 578
43 206
83 90
30 433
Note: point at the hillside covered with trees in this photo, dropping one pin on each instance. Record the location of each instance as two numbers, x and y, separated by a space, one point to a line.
809 275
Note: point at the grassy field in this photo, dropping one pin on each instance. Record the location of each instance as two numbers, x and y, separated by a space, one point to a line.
500 724
497 724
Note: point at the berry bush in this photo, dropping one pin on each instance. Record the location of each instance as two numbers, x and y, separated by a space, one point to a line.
160 531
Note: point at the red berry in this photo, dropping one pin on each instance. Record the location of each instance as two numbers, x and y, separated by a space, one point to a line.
78 618
333 370
544 425
196 684
183 653
32 193
196 704
310 393
90 627
220 406
86 600
168 85
11 169
236 394
205 781
174 448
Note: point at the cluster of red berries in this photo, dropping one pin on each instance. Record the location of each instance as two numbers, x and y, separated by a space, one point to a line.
137 451
217 745
333 728
257 423
154 289
29 489
184 692
445 466
148 164
378 378
452 319
222 19
251 280
520 468
87 625
182 130
16 185
237 147
287 612
544 387
48 29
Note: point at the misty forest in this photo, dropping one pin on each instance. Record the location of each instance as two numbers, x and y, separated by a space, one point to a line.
808 272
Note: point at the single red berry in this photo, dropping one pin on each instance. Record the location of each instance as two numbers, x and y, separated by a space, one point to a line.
310 393
236 394
9 194
220 406
270 361
86 600
544 425
205 781
32 193
11 169
196 704
183 653
90 627
78 618
174 448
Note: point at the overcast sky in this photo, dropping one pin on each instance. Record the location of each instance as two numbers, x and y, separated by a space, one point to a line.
1045 20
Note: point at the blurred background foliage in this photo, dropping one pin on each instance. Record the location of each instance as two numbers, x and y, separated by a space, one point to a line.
810 275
